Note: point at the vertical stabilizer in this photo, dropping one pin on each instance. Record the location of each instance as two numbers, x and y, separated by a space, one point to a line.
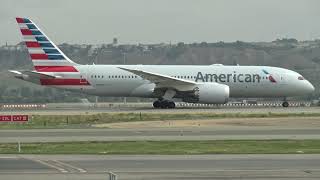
45 55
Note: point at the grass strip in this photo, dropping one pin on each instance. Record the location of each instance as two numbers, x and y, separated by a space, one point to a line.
168 147
84 121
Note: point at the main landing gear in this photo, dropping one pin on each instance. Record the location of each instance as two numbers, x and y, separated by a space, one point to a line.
165 101
164 104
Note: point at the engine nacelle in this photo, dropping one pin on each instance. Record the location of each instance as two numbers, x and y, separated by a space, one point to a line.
209 93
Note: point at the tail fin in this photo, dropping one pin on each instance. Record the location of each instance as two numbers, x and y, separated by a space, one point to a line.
45 55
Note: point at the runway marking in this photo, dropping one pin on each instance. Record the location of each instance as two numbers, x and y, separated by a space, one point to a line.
70 166
9 158
50 165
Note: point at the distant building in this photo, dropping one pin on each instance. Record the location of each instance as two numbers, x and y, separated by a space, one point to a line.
115 41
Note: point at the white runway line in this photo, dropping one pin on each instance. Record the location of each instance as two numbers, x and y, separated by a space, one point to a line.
50 165
70 166
9 157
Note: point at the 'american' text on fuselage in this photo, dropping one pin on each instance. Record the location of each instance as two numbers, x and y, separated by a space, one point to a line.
225 78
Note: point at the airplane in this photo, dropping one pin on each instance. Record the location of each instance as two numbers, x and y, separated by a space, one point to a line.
206 84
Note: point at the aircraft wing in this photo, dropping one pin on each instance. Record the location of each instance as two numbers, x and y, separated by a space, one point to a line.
33 74
159 79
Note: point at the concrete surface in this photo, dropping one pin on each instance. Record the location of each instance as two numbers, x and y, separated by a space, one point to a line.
174 167
61 135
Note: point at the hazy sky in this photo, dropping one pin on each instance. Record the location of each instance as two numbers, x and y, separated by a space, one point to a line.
156 21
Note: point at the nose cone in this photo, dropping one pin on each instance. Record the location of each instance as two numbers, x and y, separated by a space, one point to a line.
309 87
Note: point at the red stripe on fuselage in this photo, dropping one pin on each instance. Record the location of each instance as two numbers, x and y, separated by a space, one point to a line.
38 56
55 69
31 44
60 82
26 32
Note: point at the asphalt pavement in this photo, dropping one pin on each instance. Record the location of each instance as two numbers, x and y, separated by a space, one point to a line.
170 134
173 167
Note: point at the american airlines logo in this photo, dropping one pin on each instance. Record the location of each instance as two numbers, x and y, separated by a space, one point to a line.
270 77
241 78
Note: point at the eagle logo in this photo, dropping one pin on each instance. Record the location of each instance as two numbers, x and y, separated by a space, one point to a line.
270 77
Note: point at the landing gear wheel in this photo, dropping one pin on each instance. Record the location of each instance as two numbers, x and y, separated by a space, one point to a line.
157 104
171 105
164 104
285 104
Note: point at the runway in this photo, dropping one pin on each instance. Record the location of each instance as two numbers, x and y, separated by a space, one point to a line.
159 167
171 167
61 135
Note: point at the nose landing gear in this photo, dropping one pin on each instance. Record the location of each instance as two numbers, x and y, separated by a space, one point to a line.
285 104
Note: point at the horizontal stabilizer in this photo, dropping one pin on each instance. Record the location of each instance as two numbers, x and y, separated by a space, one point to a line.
33 74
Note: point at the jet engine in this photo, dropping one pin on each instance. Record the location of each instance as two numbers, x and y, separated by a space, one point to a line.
209 93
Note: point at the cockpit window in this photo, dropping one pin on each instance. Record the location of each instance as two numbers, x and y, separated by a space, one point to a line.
301 78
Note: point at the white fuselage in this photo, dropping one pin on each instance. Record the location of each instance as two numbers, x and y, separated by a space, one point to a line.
243 81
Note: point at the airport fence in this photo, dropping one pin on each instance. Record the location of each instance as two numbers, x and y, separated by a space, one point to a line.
23 106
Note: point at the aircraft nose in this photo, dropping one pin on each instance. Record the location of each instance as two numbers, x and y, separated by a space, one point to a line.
310 88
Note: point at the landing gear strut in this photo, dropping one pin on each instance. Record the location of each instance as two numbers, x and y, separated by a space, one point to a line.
164 104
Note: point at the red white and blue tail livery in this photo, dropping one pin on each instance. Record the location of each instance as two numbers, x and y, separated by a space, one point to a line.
47 58
209 84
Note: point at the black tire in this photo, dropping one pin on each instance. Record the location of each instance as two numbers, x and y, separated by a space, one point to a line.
171 105
157 104
164 104
285 104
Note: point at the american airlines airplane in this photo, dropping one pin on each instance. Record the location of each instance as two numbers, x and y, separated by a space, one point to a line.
211 84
